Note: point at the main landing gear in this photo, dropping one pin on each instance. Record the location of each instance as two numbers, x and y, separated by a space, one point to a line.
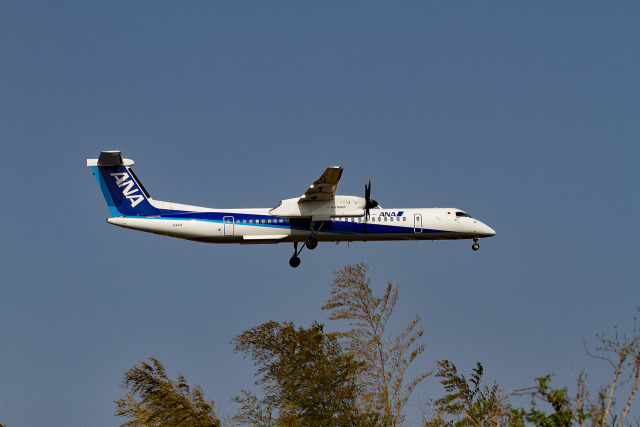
311 243
476 245
295 259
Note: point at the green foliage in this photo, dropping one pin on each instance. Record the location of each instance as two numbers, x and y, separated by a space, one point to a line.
306 377
386 357
357 378
466 402
622 353
153 399
559 400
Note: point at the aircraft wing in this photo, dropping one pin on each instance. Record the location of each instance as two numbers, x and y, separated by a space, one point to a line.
325 187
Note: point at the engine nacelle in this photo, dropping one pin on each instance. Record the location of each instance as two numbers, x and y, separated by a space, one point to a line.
341 206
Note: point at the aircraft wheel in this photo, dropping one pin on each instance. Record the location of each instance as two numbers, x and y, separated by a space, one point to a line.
312 243
475 246
294 261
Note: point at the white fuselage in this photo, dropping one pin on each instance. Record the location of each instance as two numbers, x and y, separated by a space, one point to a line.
260 226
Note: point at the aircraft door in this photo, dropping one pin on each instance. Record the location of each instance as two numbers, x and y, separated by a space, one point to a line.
417 223
228 225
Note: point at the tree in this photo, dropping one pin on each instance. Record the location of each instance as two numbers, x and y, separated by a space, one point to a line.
254 411
622 353
153 399
386 357
466 403
308 380
563 411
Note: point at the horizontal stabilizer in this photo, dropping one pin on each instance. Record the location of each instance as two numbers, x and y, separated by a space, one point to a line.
110 158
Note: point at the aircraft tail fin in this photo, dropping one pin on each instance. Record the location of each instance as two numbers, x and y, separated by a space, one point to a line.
122 190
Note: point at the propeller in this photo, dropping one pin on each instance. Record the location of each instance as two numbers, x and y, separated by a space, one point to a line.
370 203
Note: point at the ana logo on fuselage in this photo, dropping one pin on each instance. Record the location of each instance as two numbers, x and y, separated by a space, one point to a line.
391 213
124 181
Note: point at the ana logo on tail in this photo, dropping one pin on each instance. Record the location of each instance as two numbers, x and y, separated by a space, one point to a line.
124 181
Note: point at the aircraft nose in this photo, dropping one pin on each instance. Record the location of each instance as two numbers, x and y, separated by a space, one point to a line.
484 230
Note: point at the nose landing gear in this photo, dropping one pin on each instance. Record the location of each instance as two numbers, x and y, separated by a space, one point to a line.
476 245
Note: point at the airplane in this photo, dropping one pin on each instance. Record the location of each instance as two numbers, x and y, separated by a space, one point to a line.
319 215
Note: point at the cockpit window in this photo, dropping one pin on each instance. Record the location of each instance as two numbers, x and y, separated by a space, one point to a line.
462 214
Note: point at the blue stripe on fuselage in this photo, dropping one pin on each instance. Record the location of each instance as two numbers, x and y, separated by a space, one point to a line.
303 224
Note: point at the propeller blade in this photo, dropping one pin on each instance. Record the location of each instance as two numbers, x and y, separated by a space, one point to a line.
369 203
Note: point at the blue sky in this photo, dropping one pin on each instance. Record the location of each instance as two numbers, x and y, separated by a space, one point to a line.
524 114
